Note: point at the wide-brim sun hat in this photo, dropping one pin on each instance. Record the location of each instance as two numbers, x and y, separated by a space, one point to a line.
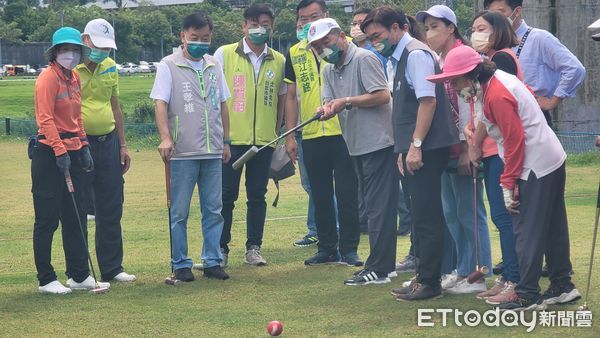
319 29
437 11
459 61
66 35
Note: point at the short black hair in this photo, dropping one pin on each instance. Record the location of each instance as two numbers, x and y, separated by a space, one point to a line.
255 11
197 20
483 72
362 10
385 16
511 3
306 3
503 36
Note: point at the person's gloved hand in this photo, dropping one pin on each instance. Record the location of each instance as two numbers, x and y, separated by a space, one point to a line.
511 202
85 159
63 162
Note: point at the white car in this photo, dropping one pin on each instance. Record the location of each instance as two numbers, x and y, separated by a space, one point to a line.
144 69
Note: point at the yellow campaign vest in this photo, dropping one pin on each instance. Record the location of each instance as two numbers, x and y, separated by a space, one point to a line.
253 104
308 85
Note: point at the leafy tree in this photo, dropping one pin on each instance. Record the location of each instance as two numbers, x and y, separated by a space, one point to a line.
120 3
9 32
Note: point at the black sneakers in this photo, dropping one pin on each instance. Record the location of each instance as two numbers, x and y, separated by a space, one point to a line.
215 272
561 294
366 277
323 258
498 268
521 303
306 241
184 275
352 259
407 265
420 292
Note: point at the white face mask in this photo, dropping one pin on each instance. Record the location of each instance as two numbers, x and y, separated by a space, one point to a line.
471 93
512 17
357 34
68 59
480 41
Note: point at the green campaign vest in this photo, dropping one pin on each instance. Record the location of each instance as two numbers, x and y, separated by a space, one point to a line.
253 103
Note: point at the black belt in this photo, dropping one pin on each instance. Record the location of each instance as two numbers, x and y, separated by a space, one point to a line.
101 138
62 136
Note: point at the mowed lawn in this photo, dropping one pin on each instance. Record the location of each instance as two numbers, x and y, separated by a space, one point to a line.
309 301
16 95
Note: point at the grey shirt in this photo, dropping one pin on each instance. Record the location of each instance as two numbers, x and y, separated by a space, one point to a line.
365 130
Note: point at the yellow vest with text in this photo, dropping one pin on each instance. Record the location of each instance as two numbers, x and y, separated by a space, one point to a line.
253 103
308 85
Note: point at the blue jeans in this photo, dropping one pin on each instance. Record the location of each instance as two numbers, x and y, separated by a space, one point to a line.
493 169
185 174
457 200
310 215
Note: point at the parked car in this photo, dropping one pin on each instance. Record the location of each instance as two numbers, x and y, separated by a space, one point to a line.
144 69
129 69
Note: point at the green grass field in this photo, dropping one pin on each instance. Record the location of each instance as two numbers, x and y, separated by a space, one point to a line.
308 301
17 95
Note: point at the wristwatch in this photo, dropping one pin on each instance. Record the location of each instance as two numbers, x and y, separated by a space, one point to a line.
417 143
348 104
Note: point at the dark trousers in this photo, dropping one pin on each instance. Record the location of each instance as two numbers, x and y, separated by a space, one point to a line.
257 178
428 215
541 227
327 159
52 202
378 176
106 185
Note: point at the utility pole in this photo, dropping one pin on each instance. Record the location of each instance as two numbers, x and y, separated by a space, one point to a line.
62 17
113 24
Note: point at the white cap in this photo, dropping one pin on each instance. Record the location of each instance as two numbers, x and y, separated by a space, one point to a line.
437 11
320 28
101 33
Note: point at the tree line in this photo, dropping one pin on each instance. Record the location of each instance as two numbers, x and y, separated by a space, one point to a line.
158 26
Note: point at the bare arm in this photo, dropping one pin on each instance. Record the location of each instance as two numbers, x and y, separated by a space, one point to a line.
425 113
291 120
281 103
225 121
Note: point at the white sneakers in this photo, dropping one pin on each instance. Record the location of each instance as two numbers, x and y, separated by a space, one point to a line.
124 277
88 284
449 280
463 287
55 288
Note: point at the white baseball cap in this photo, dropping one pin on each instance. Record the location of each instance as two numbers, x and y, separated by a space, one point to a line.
320 28
101 33
437 11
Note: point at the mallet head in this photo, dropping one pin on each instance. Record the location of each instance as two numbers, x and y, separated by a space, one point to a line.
172 281
477 274
99 290
245 158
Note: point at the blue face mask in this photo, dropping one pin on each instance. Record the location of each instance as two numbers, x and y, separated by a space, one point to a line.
97 55
197 49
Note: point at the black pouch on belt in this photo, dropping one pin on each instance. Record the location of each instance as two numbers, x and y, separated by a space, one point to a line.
33 140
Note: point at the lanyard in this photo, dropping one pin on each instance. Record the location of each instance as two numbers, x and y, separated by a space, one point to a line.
523 41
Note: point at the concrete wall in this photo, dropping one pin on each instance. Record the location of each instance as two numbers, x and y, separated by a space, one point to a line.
25 54
568 20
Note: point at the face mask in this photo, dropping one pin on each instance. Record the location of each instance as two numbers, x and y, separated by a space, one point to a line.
197 49
385 48
470 93
259 35
480 41
331 54
68 59
98 55
433 39
303 33
512 17
357 34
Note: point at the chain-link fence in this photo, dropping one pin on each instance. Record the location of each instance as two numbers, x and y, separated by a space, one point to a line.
573 143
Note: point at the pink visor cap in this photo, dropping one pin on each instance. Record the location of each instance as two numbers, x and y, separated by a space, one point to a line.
459 62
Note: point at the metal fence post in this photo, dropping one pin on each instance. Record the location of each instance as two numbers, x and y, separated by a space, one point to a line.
7 125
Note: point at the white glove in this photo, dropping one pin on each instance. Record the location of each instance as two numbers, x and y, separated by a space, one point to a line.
510 203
